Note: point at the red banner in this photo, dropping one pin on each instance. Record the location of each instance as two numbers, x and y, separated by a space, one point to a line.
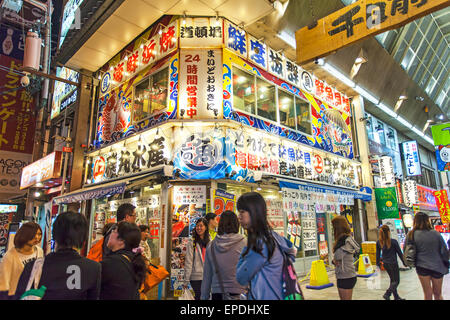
443 205
17 120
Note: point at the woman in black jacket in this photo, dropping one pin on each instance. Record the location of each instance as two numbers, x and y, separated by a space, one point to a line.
65 274
387 251
124 270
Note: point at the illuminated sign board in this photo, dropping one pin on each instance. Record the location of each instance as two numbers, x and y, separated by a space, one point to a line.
69 15
44 169
64 94
411 157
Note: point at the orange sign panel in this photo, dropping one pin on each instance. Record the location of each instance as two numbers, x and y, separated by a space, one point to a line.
443 205
358 21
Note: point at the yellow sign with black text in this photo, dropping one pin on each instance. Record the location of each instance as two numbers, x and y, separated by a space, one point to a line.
358 21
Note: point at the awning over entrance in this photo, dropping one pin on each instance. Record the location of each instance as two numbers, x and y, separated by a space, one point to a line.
322 188
105 189
94 192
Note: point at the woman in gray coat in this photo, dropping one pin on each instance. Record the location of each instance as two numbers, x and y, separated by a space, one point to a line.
431 256
227 246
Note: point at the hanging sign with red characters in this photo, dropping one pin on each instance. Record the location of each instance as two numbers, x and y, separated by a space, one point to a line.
443 205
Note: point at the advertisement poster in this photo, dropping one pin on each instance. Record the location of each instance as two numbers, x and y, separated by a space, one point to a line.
189 204
275 215
441 137
6 215
223 201
443 205
387 206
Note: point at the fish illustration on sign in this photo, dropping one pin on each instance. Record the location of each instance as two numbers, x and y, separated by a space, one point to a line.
336 129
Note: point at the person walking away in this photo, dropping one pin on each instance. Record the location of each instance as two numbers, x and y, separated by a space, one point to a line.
211 218
65 273
260 264
125 212
431 256
26 249
195 257
344 249
145 235
124 270
219 278
387 251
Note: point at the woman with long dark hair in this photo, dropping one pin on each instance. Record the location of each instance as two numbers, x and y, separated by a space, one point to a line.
387 251
26 248
124 270
431 256
195 256
344 249
261 262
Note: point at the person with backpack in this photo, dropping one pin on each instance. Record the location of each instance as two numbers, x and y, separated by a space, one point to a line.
125 212
262 262
345 249
26 248
195 257
387 251
221 258
124 270
65 274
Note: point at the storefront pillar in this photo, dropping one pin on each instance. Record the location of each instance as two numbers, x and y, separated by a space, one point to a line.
81 127
366 170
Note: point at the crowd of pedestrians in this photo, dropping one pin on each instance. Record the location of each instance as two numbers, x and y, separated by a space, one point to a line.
221 262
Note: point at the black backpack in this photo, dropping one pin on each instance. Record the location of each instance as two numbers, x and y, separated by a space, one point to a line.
291 288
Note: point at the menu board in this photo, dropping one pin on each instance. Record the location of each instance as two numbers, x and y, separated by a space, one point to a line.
189 205
275 215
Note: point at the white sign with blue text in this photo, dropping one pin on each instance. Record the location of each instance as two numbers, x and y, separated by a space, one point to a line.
411 157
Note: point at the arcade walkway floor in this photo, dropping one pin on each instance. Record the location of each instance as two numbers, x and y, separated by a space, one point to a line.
374 287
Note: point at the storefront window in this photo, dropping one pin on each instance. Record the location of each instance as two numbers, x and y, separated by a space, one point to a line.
303 111
150 95
243 91
287 109
266 100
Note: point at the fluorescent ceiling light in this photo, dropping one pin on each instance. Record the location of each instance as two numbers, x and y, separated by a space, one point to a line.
333 71
404 122
417 131
286 37
387 110
366 95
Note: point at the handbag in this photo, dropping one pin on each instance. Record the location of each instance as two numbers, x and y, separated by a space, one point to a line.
186 295
225 295
35 278
155 274
410 251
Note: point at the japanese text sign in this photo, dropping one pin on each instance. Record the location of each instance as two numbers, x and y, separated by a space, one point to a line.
443 205
358 21
201 32
200 84
386 200
189 195
410 194
411 157
387 176
46 168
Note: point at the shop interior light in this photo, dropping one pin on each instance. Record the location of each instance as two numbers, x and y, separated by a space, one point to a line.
259 188
37 194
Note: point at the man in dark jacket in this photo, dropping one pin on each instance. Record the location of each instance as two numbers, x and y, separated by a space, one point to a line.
65 274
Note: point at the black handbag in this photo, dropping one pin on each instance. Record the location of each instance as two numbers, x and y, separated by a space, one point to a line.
410 251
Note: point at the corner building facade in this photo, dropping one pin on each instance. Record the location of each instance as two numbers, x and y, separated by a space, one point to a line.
195 112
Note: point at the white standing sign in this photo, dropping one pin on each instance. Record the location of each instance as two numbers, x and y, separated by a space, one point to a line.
387 175
410 193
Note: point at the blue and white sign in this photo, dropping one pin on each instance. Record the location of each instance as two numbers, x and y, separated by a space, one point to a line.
106 82
411 157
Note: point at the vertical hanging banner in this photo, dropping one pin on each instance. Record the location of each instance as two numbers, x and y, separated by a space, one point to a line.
358 21
443 205
410 193
411 157
200 84
387 175
387 207
441 137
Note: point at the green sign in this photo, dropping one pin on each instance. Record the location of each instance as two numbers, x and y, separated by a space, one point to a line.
387 206
441 134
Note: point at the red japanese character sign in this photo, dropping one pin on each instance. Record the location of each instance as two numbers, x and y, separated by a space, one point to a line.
443 205
318 163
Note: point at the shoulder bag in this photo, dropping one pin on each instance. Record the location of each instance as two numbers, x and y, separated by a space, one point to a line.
225 295
410 251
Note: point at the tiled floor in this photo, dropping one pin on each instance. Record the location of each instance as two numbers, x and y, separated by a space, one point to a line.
374 287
